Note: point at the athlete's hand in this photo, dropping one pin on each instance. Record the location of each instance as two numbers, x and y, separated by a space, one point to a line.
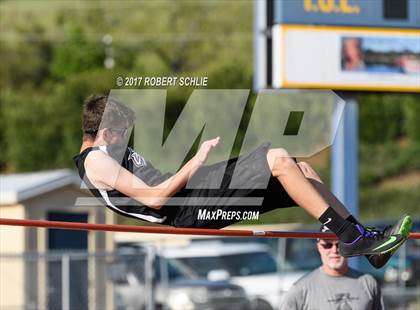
204 150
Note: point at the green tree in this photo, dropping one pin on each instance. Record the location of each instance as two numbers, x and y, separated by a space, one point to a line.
381 118
412 118
29 132
77 54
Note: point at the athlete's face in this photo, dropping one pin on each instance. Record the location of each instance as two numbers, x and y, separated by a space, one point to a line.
115 135
331 258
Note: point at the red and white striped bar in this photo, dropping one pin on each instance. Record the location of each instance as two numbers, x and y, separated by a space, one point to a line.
173 231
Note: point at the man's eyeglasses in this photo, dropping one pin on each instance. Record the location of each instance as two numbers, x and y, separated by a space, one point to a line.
328 245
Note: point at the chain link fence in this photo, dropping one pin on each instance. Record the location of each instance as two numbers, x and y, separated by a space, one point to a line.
131 279
56 280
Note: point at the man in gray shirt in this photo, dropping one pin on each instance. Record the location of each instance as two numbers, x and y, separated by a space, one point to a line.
333 285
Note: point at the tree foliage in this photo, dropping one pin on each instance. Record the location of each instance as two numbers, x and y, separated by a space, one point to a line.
53 56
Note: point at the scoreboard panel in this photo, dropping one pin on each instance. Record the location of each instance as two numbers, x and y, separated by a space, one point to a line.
346 45
346 58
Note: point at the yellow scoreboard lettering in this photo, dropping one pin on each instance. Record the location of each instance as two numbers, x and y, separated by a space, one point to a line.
326 6
347 9
330 6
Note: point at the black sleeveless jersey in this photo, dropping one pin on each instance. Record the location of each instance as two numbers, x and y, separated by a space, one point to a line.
116 200
185 212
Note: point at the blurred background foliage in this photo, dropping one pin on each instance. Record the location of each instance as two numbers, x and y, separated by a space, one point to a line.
55 53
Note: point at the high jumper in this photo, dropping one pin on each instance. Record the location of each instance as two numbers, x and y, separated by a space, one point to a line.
128 184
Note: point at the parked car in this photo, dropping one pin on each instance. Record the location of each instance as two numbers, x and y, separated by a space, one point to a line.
291 254
249 265
177 288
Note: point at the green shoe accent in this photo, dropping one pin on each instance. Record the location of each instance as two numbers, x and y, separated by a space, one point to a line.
390 240
405 227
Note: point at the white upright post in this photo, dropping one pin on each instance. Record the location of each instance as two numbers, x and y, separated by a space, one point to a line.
149 278
260 45
65 282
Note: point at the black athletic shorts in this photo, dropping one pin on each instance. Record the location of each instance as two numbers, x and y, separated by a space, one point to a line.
218 208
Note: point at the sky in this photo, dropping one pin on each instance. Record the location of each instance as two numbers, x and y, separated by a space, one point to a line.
387 44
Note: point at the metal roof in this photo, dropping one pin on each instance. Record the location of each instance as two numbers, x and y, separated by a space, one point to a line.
17 187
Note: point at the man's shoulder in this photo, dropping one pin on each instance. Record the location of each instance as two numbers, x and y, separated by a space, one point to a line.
361 276
353 273
307 279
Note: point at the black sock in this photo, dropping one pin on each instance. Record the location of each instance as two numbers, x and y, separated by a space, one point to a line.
352 220
345 230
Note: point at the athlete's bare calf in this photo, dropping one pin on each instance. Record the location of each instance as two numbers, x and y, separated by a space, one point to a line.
296 184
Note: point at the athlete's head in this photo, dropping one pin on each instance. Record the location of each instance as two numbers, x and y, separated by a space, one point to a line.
332 262
106 119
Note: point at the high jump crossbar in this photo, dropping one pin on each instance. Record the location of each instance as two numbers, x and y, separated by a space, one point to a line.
172 230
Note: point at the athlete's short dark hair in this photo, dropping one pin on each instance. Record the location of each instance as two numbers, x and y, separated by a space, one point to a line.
101 111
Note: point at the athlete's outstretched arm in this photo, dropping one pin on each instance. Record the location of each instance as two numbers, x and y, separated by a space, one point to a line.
187 171
106 173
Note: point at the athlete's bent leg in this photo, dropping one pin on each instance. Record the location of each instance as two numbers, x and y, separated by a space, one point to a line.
319 185
354 238
284 168
402 227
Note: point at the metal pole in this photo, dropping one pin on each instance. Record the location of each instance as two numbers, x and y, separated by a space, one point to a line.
402 256
344 158
149 272
65 282
281 263
260 45
164 276
344 161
